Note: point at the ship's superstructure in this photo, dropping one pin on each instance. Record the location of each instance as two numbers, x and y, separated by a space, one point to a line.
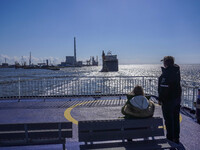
109 62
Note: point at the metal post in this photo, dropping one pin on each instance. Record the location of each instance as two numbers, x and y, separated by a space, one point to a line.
182 96
150 86
121 81
109 87
117 86
73 85
83 87
95 84
78 86
53 86
103 89
67 86
26 132
57 85
19 91
143 82
188 96
44 88
88 83
194 98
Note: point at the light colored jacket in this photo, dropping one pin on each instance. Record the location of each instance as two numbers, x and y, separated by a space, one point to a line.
140 102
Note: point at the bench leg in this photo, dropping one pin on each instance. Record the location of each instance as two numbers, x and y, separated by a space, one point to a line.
63 146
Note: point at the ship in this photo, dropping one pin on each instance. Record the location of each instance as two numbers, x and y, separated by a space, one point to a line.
109 62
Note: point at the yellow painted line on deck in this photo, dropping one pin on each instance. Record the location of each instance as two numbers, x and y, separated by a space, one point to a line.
180 118
67 112
68 116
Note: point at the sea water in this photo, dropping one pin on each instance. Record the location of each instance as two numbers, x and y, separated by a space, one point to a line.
189 72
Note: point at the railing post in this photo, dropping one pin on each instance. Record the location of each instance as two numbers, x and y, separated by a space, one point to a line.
78 86
68 87
182 96
143 82
44 88
121 86
19 94
95 84
103 86
193 97
53 88
150 88
194 93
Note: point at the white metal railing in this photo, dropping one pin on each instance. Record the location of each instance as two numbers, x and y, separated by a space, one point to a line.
86 86
189 96
68 86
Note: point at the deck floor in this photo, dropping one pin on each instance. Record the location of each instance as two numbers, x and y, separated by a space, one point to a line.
52 110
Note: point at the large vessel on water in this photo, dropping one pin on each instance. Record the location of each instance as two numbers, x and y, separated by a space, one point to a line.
109 62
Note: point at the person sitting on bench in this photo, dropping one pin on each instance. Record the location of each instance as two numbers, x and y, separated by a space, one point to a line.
137 105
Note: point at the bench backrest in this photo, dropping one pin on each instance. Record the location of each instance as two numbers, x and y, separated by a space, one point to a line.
28 131
120 129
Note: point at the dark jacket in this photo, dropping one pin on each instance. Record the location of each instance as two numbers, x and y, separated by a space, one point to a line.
169 87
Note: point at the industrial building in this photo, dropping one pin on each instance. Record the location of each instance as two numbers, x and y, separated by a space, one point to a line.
71 61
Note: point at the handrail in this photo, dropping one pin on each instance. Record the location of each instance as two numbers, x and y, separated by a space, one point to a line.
63 86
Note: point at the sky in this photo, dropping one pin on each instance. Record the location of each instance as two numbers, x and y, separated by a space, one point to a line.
137 31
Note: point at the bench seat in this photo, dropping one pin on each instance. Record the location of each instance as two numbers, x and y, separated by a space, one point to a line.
124 134
35 133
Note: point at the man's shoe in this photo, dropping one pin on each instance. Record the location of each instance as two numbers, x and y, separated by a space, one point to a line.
176 141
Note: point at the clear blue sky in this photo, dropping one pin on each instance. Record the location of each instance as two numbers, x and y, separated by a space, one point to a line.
138 31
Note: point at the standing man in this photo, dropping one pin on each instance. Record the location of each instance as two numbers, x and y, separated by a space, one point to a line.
169 90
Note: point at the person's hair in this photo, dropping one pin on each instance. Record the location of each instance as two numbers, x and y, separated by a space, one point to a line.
168 60
138 90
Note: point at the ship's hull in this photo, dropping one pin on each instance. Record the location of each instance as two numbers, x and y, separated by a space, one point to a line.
110 66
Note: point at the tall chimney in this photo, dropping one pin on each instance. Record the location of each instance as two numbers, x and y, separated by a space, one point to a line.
30 59
74 50
47 62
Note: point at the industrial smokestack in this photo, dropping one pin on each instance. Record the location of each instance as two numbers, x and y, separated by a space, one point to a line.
30 59
74 50
47 62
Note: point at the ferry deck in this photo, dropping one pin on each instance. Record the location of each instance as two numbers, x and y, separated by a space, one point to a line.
83 108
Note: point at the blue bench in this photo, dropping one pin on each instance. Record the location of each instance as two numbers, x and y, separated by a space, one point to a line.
35 134
124 134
